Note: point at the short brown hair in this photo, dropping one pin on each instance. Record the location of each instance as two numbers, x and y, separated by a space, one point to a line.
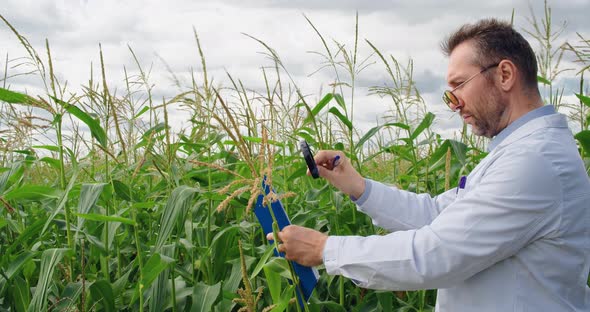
496 40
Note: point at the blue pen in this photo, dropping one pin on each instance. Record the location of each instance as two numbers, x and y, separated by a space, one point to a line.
462 183
336 161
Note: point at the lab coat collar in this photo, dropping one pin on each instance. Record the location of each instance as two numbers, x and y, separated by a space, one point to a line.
535 113
549 121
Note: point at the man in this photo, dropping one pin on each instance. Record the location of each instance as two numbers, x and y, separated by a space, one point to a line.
514 236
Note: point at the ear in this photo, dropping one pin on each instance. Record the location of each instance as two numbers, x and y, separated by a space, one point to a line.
507 75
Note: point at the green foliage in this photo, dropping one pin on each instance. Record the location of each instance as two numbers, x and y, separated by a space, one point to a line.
131 223
95 129
584 99
205 296
32 192
174 212
14 97
583 138
102 295
49 260
88 197
156 264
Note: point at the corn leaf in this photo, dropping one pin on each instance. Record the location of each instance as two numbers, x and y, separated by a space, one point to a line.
403 151
341 117
262 261
178 204
120 284
459 150
51 148
49 260
425 123
385 301
584 138
543 80
284 300
340 100
15 97
95 129
103 218
273 282
232 283
33 192
102 295
319 106
374 130
204 297
160 287
141 112
17 264
335 307
122 190
584 99
30 231
307 137
218 249
54 163
280 266
153 267
21 295
5 178
155 129
88 197
69 297
62 201
259 140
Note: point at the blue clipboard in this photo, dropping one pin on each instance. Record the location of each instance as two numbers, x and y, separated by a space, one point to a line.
308 277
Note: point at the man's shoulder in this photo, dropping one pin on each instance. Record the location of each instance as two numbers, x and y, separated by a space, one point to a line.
553 125
525 165
547 156
546 139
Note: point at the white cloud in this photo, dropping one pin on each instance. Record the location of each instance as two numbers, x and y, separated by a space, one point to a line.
398 28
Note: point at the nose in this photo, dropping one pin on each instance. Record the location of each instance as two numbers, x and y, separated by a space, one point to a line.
456 107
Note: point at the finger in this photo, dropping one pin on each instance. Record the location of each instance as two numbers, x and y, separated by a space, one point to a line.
337 160
270 236
325 157
288 228
282 248
281 235
326 173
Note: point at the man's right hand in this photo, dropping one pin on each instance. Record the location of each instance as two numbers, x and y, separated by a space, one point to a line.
335 167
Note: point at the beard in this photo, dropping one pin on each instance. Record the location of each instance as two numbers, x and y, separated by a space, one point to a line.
491 108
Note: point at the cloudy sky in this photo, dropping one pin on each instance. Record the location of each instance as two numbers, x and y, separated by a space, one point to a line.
163 30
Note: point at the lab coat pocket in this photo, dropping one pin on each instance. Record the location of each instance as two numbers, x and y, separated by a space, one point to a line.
460 190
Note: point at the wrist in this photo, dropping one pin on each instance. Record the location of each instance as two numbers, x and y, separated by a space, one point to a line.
359 189
321 247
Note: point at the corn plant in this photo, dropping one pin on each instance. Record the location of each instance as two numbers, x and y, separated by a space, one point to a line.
116 211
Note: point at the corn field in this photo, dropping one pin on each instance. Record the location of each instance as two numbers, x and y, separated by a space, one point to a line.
119 212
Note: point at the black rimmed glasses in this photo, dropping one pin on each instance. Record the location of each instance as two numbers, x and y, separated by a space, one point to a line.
449 97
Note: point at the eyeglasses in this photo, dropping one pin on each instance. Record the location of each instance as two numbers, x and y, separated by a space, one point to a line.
449 97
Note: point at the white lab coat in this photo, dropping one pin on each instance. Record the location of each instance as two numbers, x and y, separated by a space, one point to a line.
516 238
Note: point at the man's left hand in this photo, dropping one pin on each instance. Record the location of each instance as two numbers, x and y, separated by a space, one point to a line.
302 245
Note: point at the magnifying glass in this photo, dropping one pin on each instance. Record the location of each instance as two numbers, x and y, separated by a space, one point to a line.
308 156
